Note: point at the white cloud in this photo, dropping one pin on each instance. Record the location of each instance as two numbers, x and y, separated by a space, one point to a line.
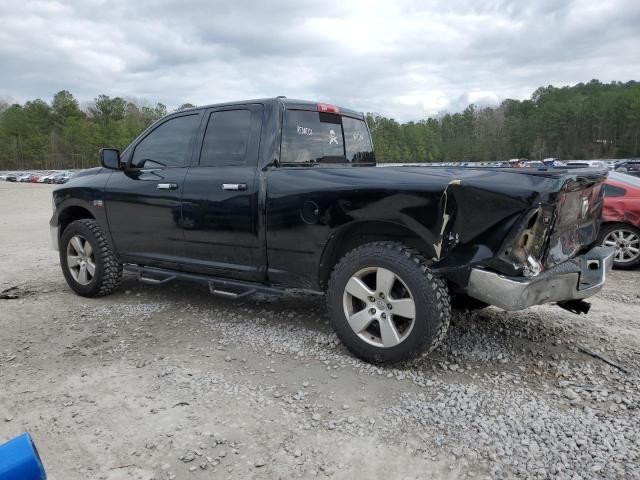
405 59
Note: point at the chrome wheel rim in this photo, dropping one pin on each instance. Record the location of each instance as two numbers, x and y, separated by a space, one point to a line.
626 244
379 307
80 260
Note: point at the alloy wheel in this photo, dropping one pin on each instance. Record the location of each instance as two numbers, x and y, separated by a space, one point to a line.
626 244
81 261
379 307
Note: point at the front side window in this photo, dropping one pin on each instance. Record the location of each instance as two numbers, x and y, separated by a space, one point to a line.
226 139
317 137
167 145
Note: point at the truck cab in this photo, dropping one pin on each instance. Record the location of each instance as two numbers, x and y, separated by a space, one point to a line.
189 190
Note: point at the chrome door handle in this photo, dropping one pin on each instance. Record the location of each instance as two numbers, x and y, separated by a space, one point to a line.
167 186
234 186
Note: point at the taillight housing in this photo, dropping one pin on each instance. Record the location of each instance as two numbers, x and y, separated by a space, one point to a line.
326 108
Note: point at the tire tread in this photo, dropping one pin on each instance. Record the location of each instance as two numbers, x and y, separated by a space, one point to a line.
112 269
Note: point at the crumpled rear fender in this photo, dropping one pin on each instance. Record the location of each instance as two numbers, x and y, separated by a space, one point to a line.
532 224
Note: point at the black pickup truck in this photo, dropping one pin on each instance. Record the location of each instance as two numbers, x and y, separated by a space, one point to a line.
277 194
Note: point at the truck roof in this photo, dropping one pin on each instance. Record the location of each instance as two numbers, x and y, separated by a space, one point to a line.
287 102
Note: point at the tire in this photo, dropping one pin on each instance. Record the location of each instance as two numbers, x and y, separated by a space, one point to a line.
625 239
371 266
107 271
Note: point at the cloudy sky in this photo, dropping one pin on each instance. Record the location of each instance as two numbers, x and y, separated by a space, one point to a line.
405 59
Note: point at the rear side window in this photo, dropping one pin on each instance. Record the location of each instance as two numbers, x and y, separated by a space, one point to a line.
357 141
167 145
612 191
226 139
315 137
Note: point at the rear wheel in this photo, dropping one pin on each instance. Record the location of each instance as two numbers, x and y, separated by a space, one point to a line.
625 239
87 261
386 305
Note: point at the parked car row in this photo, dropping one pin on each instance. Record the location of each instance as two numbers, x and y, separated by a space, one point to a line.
52 176
629 166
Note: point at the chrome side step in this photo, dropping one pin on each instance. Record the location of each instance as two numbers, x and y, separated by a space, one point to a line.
154 281
222 287
227 294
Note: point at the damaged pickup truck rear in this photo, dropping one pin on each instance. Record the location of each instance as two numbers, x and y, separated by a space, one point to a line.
277 194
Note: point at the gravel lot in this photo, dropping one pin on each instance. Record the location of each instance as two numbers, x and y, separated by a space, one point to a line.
169 382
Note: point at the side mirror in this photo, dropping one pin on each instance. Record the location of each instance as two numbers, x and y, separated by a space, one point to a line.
110 158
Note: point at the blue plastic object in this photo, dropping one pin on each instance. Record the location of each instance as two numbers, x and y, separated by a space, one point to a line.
19 460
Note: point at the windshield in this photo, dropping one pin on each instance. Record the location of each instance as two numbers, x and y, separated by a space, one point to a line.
314 137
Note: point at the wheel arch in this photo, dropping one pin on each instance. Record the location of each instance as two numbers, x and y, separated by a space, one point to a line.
361 232
72 213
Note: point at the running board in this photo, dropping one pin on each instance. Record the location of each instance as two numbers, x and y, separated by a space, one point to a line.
222 287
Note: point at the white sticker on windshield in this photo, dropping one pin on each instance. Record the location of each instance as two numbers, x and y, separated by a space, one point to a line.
332 137
358 137
304 130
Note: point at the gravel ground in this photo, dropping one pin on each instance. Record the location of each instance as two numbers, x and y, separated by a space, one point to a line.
169 382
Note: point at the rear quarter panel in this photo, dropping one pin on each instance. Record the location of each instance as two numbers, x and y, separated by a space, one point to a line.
463 214
624 209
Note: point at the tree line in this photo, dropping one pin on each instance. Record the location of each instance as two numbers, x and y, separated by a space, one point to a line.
60 135
588 120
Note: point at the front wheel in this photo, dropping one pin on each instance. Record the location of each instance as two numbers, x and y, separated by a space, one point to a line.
87 261
625 239
386 305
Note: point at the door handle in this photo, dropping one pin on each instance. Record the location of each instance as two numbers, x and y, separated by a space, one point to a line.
234 186
167 186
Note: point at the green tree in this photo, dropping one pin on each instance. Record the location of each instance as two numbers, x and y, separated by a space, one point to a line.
587 120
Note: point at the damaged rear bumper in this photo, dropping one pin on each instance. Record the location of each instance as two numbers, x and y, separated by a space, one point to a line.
578 278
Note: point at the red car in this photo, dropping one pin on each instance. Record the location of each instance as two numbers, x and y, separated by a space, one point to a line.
621 219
